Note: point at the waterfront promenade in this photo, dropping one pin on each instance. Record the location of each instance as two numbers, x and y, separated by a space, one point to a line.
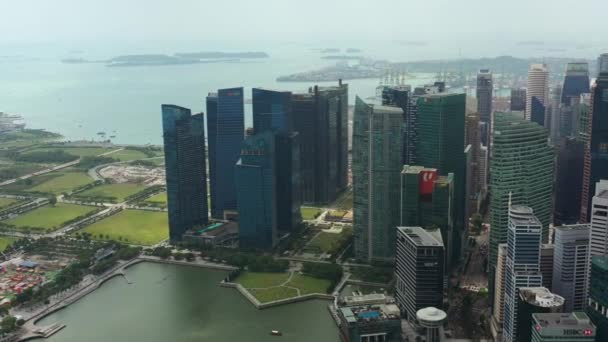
57 302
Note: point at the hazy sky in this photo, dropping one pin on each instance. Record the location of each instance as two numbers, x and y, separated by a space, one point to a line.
61 21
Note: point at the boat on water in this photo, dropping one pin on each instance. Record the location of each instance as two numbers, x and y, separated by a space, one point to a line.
276 333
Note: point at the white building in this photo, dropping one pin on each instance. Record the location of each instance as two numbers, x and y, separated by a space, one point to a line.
599 220
538 86
524 238
571 265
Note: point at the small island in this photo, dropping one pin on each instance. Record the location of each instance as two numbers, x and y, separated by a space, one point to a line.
175 59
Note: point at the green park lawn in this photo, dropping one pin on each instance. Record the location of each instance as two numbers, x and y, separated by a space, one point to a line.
267 287
58 182
277 293
5 241
160 198
138 227
310 213
49 217
308 284
261 279
76 151
116 191
127 155
6 202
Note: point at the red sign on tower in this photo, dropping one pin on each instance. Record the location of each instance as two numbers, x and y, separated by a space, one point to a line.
426 181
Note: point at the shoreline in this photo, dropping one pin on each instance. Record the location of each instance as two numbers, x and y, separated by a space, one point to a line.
118 271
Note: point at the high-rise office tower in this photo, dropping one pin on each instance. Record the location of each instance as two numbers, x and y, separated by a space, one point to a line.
547 254
255 176
498 307
522 262
226 129
419 270
596 149
571 327
184 143
484 102
376 168
320 116
441 129
521 169
393 96
427 201
571 265
599 220
576 82
597 307
568 181
538 88
484 166
533 300
399 96
472 139
602 63
518 99
272 112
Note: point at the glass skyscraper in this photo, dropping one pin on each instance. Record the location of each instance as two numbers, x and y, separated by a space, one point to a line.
226 129
255 176
522 267
185 164
376 170
441 138
596 149
272 112
521 170
320 117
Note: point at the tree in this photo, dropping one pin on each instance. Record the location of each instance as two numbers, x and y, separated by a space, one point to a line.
476 223
8 324
53 201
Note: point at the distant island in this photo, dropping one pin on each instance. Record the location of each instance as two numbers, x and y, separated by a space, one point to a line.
353 50
175 59
341 57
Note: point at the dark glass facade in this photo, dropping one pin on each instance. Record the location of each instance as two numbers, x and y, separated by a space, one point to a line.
321 119
538 111
569 178
399 96
272 112
226 129
255 175
596 151
576 82
185 164
518 100
441 129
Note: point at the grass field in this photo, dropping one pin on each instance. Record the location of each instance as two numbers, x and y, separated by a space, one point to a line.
11 170
308 285
310 213
329 242
58 182
127 155
160 198
345 201
260 279
268 287
6 202
133 226
76 151
49 217
117 191
5 241
269 295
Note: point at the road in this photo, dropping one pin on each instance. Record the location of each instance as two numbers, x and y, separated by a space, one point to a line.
41 172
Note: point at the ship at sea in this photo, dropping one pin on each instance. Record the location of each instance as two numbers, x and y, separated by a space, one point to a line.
10 122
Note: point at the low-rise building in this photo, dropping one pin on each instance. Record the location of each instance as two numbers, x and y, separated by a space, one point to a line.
369 318
570 327
219 233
